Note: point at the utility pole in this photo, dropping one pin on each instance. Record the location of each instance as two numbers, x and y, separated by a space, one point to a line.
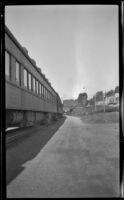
103 101
95 102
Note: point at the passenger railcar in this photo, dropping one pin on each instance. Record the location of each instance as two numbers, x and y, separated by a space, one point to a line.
29 95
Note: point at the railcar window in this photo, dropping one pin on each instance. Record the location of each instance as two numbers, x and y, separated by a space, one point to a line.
47 94
44 92
17 72
40 89
25 78
34 84
7 64
50 97
37 87
29 81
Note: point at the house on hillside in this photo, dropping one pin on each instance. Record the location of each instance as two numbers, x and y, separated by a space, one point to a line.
112 98
117 97
99 103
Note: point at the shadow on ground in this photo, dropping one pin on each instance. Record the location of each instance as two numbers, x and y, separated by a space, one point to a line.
26 148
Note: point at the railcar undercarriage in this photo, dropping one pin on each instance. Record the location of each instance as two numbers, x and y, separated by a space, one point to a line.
29 118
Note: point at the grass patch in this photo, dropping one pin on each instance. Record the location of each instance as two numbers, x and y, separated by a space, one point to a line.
107 117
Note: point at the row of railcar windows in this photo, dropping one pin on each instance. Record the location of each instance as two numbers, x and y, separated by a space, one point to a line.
30 82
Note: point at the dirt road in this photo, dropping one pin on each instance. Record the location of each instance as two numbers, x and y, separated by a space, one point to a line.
80 160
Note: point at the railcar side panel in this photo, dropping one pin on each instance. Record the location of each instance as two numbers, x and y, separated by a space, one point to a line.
19 99
13 97
29 95
37 103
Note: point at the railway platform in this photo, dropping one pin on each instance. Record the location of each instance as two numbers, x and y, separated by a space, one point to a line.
80 160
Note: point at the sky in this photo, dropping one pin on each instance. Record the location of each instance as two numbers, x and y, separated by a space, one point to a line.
76 46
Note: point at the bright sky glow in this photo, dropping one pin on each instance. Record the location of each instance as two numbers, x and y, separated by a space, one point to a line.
75 46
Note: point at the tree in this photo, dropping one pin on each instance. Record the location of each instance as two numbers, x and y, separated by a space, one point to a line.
91 101
99 96
117 89
82 99
110 93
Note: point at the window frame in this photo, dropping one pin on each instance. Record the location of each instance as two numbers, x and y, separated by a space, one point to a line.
25 70
19 75
40 89
34 85
8 76
30 82
43 90
46 93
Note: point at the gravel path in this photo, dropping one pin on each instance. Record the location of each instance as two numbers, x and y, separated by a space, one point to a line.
80 160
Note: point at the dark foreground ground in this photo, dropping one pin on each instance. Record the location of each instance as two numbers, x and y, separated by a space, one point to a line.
27 147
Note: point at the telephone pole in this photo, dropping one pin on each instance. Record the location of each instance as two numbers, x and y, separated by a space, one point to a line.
103 101
95 102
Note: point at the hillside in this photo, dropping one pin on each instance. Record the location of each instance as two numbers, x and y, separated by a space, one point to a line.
70 102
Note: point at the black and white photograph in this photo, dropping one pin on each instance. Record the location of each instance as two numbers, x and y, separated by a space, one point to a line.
62 101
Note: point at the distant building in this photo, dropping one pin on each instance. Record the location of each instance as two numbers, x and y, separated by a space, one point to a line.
98 103
117 97
112 98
